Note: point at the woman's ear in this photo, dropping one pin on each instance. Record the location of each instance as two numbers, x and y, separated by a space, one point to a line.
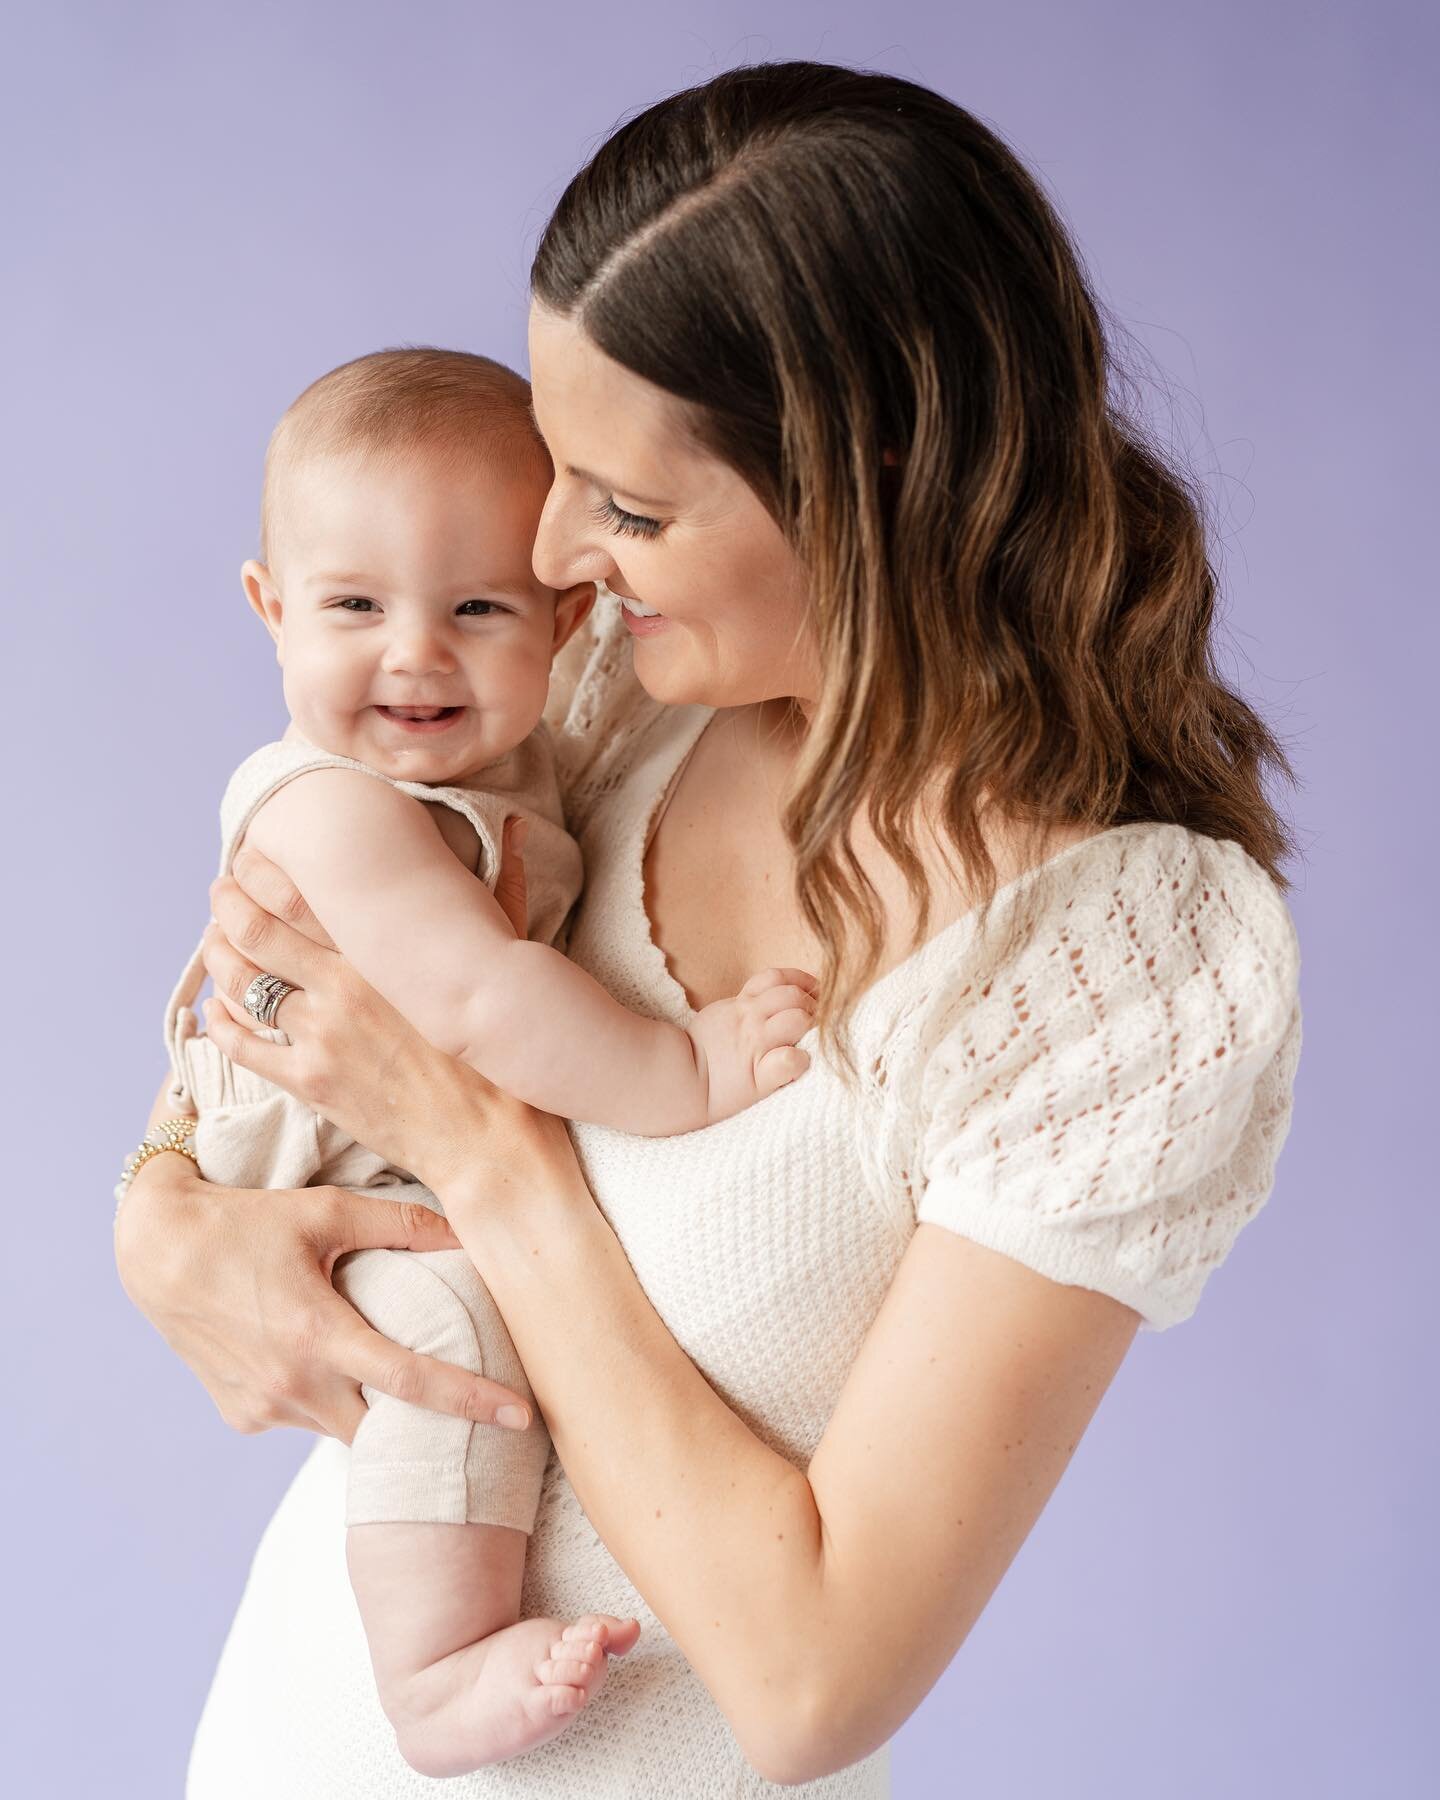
572 607
264 598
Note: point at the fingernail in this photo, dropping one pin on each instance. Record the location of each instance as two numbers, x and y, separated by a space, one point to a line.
519 834
514 1418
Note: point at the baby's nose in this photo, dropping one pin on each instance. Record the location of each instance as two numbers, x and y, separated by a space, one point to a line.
418 652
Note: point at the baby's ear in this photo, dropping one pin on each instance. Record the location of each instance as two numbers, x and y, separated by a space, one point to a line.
572 607
263 595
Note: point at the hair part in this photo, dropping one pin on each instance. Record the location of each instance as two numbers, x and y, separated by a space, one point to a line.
875 315
451 404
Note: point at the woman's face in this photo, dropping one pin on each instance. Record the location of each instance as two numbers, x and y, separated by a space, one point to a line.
638 505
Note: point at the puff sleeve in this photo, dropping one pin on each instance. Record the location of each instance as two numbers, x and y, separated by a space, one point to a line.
1107 1107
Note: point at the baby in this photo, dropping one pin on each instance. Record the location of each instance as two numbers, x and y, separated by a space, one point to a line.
401 499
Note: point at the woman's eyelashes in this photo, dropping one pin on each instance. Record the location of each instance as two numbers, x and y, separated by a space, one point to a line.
627 524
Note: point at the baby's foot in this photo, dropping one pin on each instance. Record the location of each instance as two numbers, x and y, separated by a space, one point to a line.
575 1670
506 1694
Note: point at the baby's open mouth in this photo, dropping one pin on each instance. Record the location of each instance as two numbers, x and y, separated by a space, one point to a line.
419 715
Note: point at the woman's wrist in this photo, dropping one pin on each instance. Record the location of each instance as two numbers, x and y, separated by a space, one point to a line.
513 1186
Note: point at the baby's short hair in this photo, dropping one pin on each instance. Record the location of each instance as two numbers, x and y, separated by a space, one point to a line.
452 403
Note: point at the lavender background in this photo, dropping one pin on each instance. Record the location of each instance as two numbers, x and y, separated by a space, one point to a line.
206 206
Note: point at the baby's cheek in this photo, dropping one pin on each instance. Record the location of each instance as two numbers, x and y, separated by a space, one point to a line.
524 681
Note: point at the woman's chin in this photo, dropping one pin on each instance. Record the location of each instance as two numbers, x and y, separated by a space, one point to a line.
668 680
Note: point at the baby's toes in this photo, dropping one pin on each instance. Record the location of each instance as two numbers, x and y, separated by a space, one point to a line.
569 1672
610 1633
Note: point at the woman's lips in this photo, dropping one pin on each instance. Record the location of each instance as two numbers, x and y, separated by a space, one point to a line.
643 627
433 719
641 624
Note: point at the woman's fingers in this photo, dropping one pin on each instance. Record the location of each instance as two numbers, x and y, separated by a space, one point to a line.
365 1355
343 1221
346 1221
313 1400
232 974
242 1045
269 886
269 943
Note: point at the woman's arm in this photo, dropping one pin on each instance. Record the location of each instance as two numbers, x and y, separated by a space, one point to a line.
817 1605
237 1281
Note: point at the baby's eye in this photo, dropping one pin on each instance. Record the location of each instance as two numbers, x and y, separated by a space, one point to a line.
627 524
477 609
354 603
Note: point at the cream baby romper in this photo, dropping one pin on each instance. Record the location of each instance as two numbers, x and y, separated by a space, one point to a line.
407 1462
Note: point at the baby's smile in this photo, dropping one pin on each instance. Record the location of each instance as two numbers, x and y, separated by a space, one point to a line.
421 720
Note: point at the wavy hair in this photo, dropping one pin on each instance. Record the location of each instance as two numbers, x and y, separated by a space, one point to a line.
872 311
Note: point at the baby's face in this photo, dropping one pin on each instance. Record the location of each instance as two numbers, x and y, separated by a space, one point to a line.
408 621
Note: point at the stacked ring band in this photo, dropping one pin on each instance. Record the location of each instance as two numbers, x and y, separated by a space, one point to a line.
263 996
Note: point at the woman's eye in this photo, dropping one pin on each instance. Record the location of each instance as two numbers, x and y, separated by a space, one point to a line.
627 524
477 609
353 603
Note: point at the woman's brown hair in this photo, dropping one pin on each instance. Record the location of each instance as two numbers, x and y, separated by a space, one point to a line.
874 314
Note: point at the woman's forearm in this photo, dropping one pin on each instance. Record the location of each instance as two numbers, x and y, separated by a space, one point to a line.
720 1534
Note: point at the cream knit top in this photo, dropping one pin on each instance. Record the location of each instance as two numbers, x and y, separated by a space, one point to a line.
1104 1106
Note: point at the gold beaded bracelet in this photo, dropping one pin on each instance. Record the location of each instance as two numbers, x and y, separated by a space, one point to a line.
170 1134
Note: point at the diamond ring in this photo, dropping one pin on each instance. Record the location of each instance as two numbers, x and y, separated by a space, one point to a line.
263 996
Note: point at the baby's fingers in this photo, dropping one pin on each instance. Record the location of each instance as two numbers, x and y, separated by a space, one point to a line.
769 978
783 1028
783 999
778 1068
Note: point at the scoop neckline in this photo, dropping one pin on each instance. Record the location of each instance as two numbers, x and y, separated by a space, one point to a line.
672 994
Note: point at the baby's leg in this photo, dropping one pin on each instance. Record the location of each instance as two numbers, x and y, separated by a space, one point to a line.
438 1512
462 1679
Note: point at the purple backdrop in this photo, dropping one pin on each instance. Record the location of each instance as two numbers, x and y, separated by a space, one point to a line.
206 206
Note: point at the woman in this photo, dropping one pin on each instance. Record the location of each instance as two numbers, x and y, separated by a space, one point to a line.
922 698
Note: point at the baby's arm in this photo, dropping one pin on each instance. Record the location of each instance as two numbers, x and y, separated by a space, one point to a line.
431 937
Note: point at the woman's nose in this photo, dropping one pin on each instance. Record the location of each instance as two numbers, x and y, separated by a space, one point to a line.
567 547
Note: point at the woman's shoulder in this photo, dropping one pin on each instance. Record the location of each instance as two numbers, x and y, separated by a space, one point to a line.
1099 1081
1152 908
1131 923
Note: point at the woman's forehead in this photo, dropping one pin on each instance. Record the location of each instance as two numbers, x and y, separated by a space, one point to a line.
589 406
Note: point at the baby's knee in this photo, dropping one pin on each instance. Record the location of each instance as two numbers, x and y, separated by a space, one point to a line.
431 1301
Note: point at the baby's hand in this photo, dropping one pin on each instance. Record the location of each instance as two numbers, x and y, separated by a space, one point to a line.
745 1047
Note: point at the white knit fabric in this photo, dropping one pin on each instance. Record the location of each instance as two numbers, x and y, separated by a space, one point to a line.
1105 1107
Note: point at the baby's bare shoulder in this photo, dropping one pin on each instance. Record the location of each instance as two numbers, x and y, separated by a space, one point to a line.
351 812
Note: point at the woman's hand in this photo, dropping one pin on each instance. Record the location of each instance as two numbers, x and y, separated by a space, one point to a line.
237 1282
354 1058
